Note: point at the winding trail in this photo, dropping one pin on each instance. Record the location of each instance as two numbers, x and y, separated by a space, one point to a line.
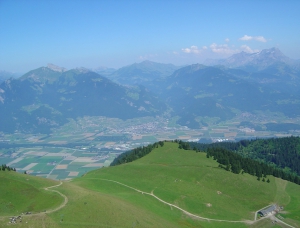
197 216
179 208
47 211
152 194
64 196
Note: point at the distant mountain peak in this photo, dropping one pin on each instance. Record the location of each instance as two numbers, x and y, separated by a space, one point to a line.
142 73
56 68
274 53
147 61
82 70
258 60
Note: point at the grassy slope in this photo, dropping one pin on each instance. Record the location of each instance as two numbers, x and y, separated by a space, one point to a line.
88 208
21 193
191 181
184 178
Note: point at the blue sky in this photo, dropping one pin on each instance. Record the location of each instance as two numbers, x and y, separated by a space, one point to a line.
113 33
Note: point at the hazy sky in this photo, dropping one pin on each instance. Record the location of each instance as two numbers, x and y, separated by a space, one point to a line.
94 33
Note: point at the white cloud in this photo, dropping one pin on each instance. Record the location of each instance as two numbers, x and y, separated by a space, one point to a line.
246 48
194 49
245 37
260 38
227 40
216 50
222 49
257 38
225 49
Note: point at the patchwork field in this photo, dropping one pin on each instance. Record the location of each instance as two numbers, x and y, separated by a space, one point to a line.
93 142
56 163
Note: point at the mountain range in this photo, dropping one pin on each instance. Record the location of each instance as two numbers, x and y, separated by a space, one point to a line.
145 73
47 97
4 75
255 61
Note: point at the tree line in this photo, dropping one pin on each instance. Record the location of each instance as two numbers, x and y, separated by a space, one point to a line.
284 153
6 167
135 154
236 163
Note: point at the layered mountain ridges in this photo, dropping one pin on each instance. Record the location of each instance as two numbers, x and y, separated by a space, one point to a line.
266 81
44 98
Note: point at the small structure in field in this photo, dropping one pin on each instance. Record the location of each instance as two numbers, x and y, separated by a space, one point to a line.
267 211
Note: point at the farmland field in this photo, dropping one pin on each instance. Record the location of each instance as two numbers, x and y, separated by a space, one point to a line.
93 142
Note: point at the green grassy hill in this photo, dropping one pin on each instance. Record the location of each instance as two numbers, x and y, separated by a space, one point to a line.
120 196
20 193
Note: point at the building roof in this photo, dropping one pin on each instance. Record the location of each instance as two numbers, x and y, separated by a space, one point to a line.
268 210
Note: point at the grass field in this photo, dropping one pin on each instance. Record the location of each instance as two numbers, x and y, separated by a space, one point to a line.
24 193
184 178
194 183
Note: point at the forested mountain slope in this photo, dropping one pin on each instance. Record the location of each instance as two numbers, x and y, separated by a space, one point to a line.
282 152
45 98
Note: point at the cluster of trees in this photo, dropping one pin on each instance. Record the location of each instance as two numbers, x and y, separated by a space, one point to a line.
236 163
6 167
135 154
183 145
284 152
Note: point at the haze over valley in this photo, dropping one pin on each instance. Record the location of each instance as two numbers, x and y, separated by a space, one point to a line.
103 117
149 114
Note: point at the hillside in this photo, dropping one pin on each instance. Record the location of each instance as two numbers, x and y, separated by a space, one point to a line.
269 68
145 73
199 92
124 195
47 97
283 152
4 75
196 95
25 193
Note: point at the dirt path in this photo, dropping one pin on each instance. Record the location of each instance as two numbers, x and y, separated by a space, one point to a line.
179 208
272 217
51 210
64 196
199 217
